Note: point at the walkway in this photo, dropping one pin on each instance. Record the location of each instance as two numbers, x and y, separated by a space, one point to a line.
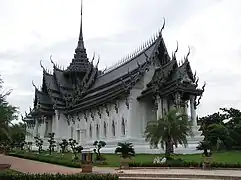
34 167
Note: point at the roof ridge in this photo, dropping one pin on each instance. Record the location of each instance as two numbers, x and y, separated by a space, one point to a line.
129 57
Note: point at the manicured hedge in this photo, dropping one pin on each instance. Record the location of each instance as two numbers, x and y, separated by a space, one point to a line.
48 160
181 163
6 176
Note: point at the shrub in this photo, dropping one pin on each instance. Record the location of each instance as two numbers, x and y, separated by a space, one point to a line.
181 163
63 145
125 149
8 176
51 143
98 145
39 143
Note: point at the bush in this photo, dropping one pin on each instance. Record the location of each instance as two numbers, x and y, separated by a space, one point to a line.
7 176
181 163
48 160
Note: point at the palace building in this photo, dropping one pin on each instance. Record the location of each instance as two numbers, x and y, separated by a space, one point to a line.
114 105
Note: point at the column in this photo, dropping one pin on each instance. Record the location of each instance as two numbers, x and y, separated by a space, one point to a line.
159 107
193 111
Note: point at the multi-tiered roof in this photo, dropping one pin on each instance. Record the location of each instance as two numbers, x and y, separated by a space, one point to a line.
82 85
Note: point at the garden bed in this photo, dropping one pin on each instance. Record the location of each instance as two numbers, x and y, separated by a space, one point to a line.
58 176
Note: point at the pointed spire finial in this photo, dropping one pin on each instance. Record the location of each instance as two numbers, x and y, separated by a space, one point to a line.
81 20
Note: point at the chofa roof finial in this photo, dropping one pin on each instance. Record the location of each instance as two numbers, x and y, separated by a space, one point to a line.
34 85
164 22
42 66
188 53
52 60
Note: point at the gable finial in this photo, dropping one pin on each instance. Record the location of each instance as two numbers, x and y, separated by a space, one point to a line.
93 58
34 85
42 66
164 22
188 53
174 55
52 60
98 61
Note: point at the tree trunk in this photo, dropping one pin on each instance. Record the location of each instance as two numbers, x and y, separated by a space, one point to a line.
168 148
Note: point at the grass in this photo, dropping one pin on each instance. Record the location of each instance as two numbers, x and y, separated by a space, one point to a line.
232 157
10 171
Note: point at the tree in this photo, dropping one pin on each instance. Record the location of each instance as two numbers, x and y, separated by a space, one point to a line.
223 127
17 133
51 142
73 145
63 145
8 113
171 129
98 145
125 149
39 144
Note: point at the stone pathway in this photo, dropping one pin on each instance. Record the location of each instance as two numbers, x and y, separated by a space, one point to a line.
34 167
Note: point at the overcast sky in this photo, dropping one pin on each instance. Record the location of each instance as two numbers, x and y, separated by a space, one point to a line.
33 30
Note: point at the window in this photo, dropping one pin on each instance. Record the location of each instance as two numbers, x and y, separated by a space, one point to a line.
78 135
123 127
90 131
72 132
113 128
97 131
105 132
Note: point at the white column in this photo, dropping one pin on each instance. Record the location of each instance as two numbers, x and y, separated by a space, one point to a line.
193 111
159 107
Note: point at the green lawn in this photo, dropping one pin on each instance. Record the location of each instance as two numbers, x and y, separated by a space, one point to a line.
231 157
10 171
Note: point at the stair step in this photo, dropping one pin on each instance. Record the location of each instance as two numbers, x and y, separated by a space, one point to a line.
151 178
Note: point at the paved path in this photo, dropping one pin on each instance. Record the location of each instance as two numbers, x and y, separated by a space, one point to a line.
29 166
33 167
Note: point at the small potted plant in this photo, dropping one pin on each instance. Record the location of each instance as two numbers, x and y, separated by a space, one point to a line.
207 155
126 151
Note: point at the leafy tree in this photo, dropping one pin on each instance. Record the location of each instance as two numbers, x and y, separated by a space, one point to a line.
51 142
73 145
98 145
172 129
63 145
17 133
39 144
224 127
79 148
125 149
204 146
8 113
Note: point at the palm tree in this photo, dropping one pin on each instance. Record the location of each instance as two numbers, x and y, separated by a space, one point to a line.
125 149
172 129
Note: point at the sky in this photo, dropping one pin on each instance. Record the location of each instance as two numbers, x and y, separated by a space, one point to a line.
34 30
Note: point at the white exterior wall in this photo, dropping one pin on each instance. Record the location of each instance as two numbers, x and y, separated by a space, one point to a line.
135 118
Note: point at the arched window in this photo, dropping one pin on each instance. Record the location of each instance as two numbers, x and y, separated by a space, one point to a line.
113 128
123 126
97 131
105 132
90 131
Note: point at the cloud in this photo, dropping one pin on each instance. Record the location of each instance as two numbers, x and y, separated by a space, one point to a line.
31 31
